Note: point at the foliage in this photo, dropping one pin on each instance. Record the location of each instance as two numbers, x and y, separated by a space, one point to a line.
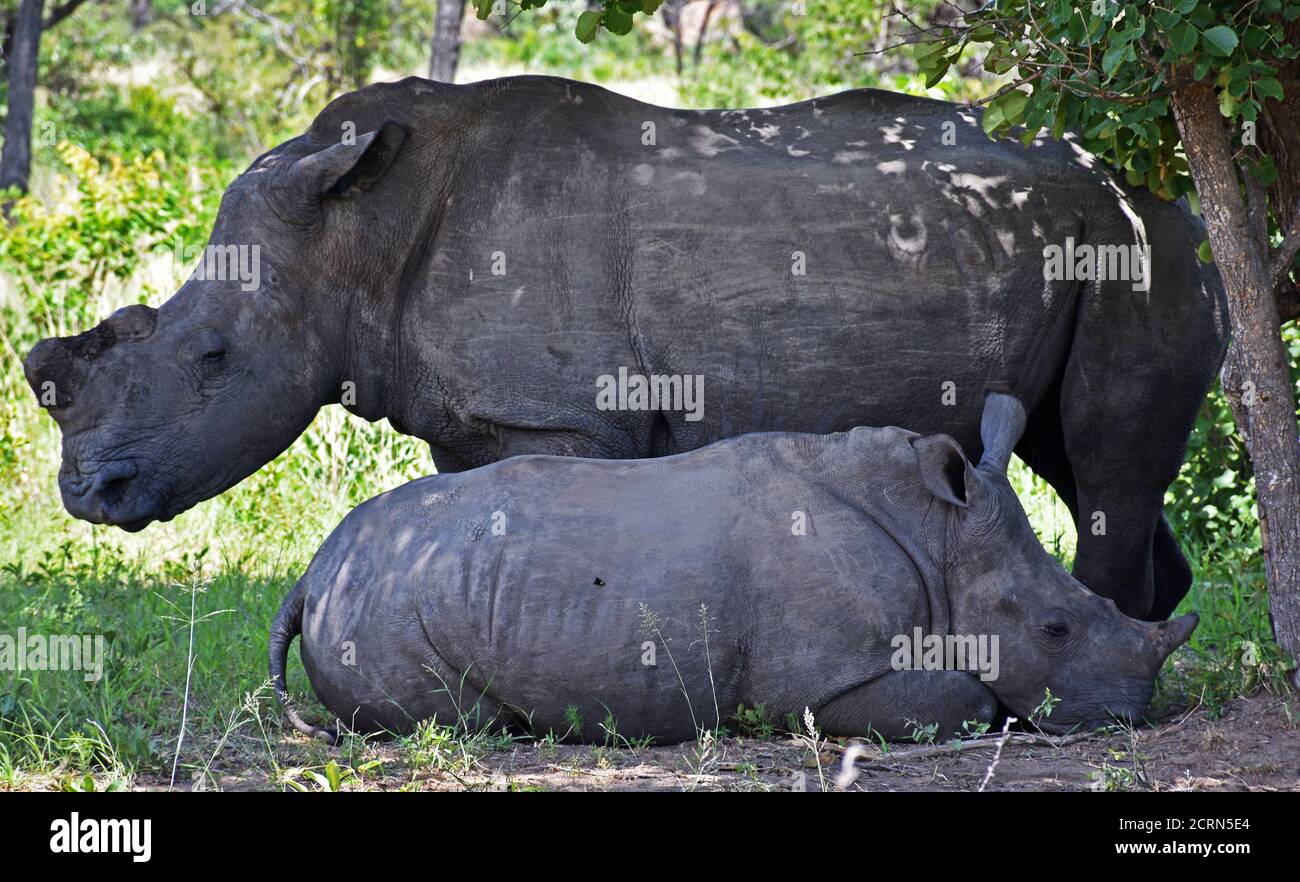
779 52
838 44
1104 70
754 722
1213 499
542 42
615 16
106 218
1112 72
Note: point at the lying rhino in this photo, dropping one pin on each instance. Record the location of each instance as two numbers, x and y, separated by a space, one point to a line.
470 261
651 597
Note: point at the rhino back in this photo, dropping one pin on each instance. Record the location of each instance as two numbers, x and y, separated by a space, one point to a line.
789 255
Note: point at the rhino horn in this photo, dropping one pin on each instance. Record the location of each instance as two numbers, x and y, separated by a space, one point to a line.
49 371
56 366
1001 426
1174 633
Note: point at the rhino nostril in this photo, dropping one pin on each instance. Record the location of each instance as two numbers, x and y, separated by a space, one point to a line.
74 485
111 481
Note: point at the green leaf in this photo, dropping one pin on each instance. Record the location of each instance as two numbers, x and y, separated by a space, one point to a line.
1113 58
1269 87
1264 170
936 75
1012 105
1205 252
588 22
992 118
1227 104
617 21
1183 39
333 776
924 50
1220 40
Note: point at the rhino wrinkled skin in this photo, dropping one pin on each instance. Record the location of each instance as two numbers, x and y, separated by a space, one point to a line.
478 256
596 591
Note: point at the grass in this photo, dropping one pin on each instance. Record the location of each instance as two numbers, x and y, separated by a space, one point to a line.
233 559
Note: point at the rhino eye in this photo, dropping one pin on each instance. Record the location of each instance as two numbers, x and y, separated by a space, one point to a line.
205 347
1056 630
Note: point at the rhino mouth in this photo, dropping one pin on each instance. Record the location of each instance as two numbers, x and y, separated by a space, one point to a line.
1125 705
112 494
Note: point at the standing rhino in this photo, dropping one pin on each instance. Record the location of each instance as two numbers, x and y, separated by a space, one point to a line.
470 261
548 593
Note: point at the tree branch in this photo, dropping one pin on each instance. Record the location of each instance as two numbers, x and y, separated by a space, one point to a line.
60 12
1286 251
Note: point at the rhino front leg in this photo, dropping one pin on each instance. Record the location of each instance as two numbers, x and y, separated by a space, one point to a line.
885 705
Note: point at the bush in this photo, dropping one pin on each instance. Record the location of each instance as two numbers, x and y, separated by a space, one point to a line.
105 218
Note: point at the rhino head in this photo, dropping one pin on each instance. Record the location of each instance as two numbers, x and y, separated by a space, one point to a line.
163 408
1053 633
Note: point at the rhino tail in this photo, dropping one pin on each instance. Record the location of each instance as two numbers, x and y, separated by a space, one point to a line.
288 625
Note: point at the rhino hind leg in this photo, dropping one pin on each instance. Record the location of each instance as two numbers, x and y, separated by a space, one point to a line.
405 684
1126 426
1173 574
1043 449
897 703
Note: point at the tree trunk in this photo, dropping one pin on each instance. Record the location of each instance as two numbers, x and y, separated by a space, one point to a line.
1257 376
1279 139
16 156
445 51
703 33
141 13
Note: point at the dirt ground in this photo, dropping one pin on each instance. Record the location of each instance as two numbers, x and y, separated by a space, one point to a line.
1253 745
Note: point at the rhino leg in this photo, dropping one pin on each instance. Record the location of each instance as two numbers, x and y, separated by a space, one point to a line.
1043 449
1125 450
1173 574
885 705
393 684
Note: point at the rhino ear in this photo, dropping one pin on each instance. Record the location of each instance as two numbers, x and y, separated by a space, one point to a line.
944 469
340 170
